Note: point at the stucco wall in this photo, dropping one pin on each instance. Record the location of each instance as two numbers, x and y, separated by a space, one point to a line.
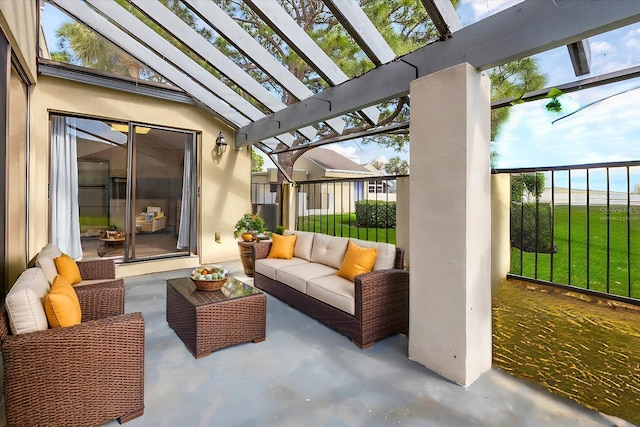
16 179
19 21
224 180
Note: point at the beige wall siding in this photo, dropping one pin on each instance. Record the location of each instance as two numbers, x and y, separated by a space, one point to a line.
16 178
19 21
224 180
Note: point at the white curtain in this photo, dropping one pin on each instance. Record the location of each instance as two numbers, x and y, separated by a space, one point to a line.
187 231
65 220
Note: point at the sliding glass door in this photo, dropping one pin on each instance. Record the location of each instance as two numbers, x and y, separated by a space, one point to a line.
135 188
159 158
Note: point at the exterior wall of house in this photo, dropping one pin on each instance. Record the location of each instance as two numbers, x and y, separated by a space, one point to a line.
224 180
16 178
19 21
314 171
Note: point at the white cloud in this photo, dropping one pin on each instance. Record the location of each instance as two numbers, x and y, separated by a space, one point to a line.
633 43
348 152
600 47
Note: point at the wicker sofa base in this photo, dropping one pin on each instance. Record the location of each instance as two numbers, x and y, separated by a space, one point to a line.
366 326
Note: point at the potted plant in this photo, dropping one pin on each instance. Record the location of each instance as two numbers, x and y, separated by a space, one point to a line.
249 226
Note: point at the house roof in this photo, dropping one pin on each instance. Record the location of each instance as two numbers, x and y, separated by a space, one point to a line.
334 161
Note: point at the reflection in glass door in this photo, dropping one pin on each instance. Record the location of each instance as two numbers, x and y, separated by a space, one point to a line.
135 190
159 159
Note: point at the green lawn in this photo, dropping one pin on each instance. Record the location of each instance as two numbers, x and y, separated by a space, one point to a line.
344 225
574 247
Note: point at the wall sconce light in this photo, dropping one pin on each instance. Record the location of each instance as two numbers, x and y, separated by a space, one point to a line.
221 144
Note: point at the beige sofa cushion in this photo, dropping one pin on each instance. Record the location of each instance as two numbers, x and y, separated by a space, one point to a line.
45 260
335 291
329 250
386 256
25 302
268 266
304 243
297 276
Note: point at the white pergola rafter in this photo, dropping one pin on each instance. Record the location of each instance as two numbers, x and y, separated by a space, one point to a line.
286 27
82 13
362 30
443 16
189 37
217 19
499 39
169 52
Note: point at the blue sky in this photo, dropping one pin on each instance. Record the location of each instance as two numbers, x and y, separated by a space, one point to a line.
607 131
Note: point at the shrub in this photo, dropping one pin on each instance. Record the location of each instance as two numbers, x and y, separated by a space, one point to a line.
375 214
530 183
524 227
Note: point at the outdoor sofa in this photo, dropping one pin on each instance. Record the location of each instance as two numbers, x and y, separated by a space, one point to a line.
80 375
372 306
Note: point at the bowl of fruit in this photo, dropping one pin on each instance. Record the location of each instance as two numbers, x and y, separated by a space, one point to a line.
209 278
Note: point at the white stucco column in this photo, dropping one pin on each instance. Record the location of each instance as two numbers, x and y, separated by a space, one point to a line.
403 234
500 228
289 195
450 220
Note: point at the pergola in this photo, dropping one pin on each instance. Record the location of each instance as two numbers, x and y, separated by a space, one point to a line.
525 29
450 287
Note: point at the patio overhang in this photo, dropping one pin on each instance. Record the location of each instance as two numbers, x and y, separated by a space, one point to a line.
506 36
259 116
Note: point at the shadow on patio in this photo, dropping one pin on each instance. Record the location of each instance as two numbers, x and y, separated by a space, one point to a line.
307 374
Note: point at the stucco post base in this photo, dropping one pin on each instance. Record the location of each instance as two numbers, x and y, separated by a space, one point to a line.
450 221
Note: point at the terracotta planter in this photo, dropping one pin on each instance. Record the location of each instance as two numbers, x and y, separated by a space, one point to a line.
246 256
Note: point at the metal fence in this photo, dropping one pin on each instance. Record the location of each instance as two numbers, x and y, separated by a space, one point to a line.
578 226
362 208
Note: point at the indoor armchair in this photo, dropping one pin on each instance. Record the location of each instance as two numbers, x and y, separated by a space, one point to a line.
151 220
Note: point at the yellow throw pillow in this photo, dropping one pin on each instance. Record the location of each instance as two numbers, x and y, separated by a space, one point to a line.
62 305
357 260
282 246
68 268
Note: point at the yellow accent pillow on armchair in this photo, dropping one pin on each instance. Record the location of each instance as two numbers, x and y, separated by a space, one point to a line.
282 246
357 260
62 305
68 268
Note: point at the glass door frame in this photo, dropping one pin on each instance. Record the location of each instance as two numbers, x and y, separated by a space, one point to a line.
130 205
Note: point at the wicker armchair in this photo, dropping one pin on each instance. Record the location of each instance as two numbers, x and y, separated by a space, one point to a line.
83 375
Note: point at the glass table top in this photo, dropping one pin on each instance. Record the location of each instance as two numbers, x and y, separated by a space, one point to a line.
232 289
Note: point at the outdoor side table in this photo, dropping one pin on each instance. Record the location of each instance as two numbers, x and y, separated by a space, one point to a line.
207 321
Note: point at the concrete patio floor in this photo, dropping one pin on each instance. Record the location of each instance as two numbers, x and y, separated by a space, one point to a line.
305 374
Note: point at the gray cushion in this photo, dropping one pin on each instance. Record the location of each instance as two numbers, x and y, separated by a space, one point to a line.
297 276
268 266
25 302
304 243
45 260
329 250
386 256
334 290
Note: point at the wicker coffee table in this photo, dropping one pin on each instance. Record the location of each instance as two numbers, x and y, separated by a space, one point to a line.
210 320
